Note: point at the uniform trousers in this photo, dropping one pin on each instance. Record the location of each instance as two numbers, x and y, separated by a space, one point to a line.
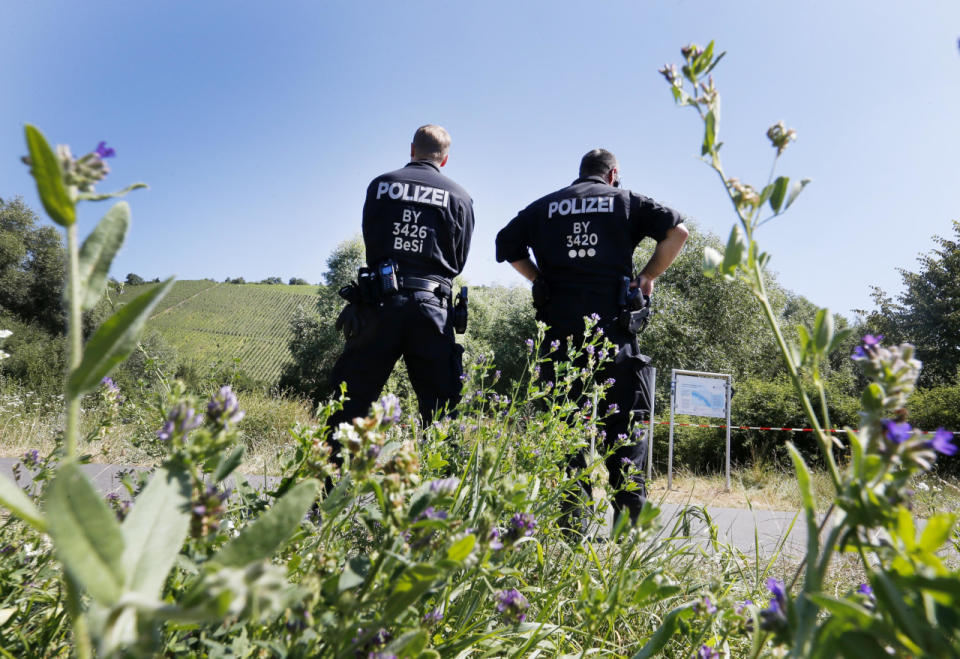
632 393
415 325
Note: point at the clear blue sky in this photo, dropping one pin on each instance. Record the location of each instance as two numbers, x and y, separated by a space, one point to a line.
259 125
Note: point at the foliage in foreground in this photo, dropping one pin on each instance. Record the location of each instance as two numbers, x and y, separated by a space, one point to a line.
909 606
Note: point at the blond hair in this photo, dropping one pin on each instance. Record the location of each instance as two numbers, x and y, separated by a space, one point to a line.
431 142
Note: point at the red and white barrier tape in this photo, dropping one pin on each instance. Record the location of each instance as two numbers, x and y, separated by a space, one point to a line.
732 427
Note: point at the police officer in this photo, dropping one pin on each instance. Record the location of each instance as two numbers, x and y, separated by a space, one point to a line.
583 237
417 225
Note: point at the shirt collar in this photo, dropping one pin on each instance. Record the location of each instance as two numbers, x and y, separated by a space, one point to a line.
428 163
597 179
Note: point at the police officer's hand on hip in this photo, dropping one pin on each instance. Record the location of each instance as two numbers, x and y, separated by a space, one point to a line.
582 238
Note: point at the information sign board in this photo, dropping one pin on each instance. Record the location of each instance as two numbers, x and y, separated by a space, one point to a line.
701 396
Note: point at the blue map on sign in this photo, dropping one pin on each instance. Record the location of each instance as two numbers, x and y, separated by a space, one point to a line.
701 396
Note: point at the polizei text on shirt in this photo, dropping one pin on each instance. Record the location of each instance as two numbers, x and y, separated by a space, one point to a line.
420 194
579 205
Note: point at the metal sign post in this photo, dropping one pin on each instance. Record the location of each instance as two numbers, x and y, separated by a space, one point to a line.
653 401
699 394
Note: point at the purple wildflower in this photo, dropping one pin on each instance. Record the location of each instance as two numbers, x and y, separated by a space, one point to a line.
897 432
496 375
555 344
109 384
390 406
513 605
166 432
433 617
521 524
609 382
494 540
180 421
858 353
742 607
529 343
710 606
871 341
865 589
31 458
444 486
613 408
590 349
707 652
942 442
105 151
777 589
626 462
432 513
638 433
224 408
595 317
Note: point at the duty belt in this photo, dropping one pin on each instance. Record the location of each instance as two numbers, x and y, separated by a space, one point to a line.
419 284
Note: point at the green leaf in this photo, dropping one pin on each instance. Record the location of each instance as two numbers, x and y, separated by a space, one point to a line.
906 529
17 502
715 62
100 196
804 481
410 644
709 133
845 609
98 251
459 550
412 583
937 531
664 633
154 531
270 531
838 338
46 171
354 573
712 261
779 192
114 341
86 535
736 248
795 190
822 329
228 464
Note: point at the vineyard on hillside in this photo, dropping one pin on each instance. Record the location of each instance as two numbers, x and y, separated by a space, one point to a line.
212 322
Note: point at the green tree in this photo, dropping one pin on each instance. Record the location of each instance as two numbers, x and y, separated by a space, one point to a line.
927 312
134 279
31 267
297 281
316 344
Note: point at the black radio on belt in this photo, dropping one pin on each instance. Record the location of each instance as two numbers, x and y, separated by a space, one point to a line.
460 311
387 270
634 308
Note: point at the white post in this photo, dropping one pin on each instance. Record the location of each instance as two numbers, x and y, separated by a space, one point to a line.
653 401
673 390
728 388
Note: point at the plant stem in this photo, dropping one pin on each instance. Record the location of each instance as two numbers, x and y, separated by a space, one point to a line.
825 445
74 337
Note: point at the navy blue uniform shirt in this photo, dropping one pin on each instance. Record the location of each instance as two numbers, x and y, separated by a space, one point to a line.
421 219
585 233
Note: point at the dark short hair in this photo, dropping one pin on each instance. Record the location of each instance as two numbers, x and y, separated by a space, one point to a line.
431 142
598 162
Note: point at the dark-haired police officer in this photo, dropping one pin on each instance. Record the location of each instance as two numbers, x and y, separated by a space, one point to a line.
583 237
417 225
